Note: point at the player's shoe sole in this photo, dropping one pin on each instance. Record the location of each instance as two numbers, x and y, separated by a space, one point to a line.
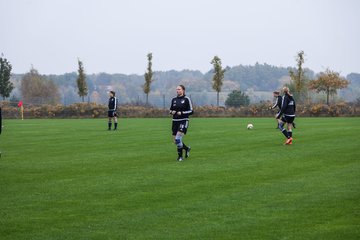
187 154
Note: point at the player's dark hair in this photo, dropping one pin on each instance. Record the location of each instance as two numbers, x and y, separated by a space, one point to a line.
182 86
113 93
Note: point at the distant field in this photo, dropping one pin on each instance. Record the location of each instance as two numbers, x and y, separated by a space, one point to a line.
72 179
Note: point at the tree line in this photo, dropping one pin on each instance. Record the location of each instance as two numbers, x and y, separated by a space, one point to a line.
235 81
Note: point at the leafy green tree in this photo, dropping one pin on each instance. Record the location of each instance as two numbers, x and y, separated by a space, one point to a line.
328 82
218 76
299 79
237 99
81 81
37 89
148 78
6 86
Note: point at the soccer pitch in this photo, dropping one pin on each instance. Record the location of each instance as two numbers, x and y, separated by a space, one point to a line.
73 179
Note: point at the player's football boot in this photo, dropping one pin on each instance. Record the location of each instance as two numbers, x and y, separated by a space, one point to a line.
288 141
179 159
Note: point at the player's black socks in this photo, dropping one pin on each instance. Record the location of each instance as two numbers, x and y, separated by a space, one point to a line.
115 126
185 147
109 124
180 152
290 133
286 134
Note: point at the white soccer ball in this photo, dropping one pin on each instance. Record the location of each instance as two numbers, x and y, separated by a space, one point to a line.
249 126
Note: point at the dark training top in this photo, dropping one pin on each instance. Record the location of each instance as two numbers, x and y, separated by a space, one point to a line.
278 102
112 104
181 104
288 106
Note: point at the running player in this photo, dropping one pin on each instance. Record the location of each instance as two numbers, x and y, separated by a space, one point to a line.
181 108
112 110
287 114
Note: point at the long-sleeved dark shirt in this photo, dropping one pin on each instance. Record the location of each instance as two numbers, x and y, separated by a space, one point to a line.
277 103
112 104
181 104
288 106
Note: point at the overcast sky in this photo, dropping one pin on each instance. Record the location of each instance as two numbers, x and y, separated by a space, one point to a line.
114 36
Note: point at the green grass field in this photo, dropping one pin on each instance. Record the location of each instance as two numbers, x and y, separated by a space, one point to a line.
72 179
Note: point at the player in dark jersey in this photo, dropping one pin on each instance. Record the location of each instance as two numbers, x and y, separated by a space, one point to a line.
181 108
287 115
277 103
112 110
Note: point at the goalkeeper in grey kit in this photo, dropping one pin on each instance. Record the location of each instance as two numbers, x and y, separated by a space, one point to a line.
181 108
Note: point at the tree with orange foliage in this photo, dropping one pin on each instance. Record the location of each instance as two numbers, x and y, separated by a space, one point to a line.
328 82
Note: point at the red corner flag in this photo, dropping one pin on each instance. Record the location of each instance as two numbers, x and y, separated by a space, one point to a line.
20 103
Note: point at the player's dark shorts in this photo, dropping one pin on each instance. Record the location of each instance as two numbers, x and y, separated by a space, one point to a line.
287 119
180 126
112 113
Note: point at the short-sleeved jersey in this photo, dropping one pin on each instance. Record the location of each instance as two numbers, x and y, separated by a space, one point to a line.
181 104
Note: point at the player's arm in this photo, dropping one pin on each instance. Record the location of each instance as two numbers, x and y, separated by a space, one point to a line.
189 109
274 106
115 103
172 110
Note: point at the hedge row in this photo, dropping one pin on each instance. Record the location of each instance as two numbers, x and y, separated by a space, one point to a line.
93 110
